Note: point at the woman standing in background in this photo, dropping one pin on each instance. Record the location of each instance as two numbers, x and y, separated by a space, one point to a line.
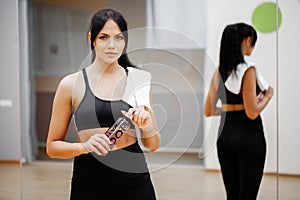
244 94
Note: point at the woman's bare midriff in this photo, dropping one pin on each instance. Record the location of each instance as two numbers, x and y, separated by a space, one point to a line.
232 107
127 138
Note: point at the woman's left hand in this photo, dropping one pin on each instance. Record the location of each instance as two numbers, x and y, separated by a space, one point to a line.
141 118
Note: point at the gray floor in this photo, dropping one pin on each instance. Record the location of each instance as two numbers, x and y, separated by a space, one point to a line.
184 179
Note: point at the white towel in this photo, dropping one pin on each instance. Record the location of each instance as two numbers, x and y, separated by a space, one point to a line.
234 81
138 88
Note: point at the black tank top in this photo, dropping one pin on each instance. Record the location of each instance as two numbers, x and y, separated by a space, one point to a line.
228 97
93 112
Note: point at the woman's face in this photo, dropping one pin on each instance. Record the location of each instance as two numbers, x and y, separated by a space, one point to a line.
247 47
109 43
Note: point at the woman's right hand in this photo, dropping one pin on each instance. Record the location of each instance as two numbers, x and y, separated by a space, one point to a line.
98 143
269 92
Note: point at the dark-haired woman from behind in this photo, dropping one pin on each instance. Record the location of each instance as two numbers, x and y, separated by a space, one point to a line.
244 94
96 97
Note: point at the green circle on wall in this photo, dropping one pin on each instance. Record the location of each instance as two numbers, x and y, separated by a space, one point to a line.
264 17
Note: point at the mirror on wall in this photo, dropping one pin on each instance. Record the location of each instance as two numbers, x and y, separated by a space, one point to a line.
180 51
180 54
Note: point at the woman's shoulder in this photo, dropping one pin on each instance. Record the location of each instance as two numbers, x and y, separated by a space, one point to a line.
253 71
70 77
67 82
234 81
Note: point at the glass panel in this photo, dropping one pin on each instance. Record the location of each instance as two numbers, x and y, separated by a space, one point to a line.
221 14
181 52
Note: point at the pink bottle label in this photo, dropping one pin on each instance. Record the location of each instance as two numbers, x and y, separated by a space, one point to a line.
117 129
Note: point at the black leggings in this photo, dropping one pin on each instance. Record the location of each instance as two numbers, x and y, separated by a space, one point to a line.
241 152
145 191
121 174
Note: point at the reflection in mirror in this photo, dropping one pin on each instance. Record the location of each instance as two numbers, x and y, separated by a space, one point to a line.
266 63
184 56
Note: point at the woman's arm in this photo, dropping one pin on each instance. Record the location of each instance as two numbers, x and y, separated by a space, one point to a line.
151 136
210 107
253 107
60 119
144 118
56 146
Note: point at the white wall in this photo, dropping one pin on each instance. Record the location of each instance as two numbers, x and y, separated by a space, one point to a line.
10 146
289 84
220 14
186 18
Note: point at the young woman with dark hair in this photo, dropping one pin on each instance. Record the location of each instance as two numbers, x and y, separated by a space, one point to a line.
95 96
244 94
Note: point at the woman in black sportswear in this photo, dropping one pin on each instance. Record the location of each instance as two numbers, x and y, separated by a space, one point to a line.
244 94
96 95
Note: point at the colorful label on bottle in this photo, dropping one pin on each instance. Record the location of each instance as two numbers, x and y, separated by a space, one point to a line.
117 129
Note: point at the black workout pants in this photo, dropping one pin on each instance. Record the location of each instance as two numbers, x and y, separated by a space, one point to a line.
241 151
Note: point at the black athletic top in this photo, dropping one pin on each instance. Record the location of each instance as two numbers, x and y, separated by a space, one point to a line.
122 173
94 112
228 97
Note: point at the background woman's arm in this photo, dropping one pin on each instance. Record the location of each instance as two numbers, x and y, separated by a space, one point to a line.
252 106
210 107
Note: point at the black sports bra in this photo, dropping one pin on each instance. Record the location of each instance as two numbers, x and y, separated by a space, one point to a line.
94 112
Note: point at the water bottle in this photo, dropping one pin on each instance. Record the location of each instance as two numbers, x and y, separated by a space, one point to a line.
120 127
